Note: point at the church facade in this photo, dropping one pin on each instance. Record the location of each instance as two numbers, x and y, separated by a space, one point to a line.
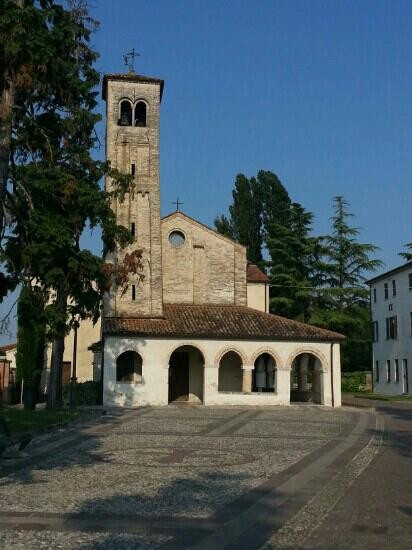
197 327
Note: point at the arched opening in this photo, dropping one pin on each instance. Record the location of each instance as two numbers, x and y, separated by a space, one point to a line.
129 367
305 382
264 374
230 372
186 375
125 113
140 114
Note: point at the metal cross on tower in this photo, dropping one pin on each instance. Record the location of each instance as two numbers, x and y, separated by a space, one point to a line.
177 203
129 60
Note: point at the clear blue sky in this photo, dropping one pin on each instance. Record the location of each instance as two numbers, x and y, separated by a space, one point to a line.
318 92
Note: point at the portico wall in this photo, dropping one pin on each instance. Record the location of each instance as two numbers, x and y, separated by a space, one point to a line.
156 352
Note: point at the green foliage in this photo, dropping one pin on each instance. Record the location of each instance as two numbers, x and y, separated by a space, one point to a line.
86 393
31 336
407 255
353 382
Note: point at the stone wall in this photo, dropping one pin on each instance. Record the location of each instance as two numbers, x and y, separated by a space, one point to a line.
206 269
138 146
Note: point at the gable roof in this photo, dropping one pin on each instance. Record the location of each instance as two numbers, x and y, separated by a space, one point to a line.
256 275
7 347
220 322
131 77
179 213
391 272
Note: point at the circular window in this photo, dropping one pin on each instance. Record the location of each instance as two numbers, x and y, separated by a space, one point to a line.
176 238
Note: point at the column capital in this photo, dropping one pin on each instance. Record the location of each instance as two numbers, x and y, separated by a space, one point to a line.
248 367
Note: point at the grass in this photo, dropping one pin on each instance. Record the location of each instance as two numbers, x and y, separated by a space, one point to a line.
20 421
381 396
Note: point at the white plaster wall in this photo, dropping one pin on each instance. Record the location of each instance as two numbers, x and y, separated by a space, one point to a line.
401 348
156 353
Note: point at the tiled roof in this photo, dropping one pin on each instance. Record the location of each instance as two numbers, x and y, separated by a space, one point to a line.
131 77
220 321
8 347
255 275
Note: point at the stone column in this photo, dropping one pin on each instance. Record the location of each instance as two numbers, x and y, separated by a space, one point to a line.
210 384
247 379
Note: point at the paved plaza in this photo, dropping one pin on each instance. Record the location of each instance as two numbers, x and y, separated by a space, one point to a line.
185 476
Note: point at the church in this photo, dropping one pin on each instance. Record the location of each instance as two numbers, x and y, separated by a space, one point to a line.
197 328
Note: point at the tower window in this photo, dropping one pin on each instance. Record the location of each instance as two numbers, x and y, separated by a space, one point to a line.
133 229
133 292
140 114
125 113
133 169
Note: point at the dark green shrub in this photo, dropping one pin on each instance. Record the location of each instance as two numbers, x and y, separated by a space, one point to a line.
86 393
353 382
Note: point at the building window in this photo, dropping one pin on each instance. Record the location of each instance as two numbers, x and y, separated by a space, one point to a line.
411 322
133 169
390 307
377 371
125 113
176 239
392 328
133 229
396 370
133 292
388 370
140 114
410 281
394 288
375 327
374 295
386 291
129 367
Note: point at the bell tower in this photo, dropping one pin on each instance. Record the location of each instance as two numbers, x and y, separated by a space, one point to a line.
132 147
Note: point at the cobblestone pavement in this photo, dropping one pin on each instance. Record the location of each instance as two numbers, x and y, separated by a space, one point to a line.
177 477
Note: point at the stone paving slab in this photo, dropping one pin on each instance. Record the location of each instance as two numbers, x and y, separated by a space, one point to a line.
139 469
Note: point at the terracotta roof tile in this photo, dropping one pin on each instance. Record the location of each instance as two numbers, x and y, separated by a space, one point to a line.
8 347
220 321
256 275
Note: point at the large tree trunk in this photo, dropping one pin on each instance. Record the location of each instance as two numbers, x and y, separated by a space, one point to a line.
6 108
6 111
54 394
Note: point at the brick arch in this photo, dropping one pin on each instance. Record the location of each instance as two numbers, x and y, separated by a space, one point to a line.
223 352
183 344
274 354
313 351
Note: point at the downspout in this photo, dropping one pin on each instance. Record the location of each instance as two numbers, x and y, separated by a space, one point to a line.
331 374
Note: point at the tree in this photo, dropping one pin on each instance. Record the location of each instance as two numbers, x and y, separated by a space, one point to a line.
31 340
294 263
407 255
245 217
55 183
257 203
343 302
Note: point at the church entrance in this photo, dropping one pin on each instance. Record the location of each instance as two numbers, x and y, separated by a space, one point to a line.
179 377
186 375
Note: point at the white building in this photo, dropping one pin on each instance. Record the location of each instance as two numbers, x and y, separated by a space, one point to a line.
391 299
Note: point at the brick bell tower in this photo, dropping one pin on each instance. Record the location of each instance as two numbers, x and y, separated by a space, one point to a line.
132 146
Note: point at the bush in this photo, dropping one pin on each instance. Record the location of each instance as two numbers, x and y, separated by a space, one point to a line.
86 393
353 382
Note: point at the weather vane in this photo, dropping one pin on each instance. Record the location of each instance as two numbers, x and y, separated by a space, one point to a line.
129 60
177 203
